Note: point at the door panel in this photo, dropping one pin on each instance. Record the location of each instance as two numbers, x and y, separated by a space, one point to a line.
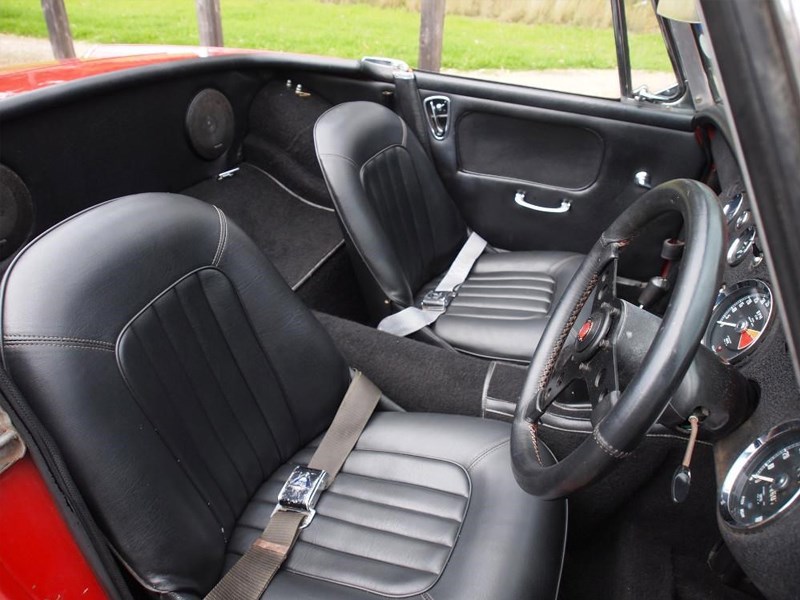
505 139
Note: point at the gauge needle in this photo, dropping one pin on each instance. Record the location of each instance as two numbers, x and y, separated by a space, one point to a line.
726 323
747 337
763 478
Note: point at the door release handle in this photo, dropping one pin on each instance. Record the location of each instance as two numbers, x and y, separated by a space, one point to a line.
519 198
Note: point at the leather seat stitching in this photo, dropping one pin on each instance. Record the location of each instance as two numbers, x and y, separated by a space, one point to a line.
356 499
486 453
534 316
59 345
12 338
498 298
361 556
343 157
332 492
406 483
223 237
480 286
385 531
511 275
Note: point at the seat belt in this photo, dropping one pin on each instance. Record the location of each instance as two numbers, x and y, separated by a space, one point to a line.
435 302
252 573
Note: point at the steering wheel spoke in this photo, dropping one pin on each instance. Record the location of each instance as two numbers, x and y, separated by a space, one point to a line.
565 376
602 380
606 290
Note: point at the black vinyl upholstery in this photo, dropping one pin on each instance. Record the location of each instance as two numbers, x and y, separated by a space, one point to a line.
404 230
180 379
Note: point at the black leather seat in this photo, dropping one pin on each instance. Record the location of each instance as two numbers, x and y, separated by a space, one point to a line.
403 232
180 378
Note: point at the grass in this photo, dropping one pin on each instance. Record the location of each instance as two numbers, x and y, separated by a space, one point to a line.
588 13
346 30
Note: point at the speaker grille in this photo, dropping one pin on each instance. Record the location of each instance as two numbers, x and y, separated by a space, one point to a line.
210 124
16 212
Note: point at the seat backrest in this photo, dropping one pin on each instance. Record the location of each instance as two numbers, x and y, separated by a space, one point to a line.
170 363
394 210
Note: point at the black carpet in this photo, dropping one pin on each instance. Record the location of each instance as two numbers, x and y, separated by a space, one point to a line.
334 289
281 138
295 235
417 376
649 547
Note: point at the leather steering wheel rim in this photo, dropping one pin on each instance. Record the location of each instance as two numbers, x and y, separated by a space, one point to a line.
665 363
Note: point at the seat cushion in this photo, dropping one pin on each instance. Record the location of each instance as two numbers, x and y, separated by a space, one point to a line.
502 308
425 507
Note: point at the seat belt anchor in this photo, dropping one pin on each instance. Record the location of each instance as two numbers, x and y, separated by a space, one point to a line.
437 300
301 492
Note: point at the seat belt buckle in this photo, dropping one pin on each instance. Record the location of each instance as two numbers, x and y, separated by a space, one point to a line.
301 492
437 301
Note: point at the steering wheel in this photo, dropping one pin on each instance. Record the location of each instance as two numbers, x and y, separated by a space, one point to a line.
599 357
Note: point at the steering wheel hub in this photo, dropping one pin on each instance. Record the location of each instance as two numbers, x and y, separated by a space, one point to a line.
593 333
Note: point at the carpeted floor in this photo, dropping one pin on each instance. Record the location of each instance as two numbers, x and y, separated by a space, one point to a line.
295 234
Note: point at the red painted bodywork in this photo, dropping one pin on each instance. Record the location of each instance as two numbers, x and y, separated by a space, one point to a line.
38 557
16 80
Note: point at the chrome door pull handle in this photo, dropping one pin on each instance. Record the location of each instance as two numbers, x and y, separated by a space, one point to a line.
519 198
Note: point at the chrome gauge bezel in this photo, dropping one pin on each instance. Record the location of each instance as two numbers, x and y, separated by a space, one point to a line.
727 292
750 455
741 245
732 206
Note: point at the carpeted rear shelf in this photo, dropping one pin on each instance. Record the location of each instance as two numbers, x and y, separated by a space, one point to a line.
296 235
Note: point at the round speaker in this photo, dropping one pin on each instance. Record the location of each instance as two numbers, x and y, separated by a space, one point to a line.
210 124
16 212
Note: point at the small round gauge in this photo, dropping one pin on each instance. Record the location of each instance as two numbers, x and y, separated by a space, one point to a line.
741 245
739 319
765 480
743 219
732 207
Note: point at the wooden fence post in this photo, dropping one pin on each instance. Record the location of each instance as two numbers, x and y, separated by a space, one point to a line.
55 15
431 32
209 22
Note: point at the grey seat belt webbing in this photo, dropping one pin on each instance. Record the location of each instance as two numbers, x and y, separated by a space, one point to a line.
252 573
413 319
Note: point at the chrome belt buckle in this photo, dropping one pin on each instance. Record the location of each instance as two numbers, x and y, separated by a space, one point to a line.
437 301
301 492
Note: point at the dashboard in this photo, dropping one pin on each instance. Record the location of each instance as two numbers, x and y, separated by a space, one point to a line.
758 465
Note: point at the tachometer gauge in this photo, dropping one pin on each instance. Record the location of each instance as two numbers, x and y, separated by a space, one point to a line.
765 480
739 319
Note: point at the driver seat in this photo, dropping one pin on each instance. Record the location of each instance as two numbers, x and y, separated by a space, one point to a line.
180 380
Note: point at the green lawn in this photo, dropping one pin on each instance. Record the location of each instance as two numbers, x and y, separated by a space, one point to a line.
346 30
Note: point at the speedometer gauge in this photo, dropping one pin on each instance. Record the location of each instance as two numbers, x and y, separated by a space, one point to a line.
765 480
739 319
